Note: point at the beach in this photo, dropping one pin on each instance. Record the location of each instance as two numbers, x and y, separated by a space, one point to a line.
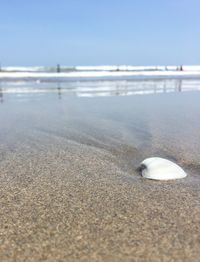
69 185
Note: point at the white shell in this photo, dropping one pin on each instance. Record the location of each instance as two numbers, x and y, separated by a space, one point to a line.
161 169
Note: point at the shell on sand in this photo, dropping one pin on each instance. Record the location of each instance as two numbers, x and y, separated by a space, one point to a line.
161 169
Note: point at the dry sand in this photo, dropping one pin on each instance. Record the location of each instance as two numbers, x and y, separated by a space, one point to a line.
64 201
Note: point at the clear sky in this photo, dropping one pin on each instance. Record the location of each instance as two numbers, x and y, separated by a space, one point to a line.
99 32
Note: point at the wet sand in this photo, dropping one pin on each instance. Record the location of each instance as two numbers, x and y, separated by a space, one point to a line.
69 189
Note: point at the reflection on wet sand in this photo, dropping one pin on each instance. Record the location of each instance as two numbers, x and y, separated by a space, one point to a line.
1 95
59 90
103 88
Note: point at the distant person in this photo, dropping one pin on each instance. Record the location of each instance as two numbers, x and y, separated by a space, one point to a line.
58 68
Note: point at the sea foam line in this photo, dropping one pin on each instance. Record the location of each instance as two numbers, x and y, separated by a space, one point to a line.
97 74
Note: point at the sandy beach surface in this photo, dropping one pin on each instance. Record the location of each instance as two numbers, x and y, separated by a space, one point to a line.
69 189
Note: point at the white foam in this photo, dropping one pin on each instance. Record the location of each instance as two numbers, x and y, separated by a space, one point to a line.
161 169
97 74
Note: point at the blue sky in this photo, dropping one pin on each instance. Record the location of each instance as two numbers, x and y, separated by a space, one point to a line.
92 32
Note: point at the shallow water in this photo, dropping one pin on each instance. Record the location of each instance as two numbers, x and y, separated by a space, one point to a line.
154 118
147 117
